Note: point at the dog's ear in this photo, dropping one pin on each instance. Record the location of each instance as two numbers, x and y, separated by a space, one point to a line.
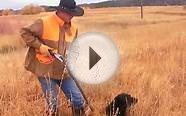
131 100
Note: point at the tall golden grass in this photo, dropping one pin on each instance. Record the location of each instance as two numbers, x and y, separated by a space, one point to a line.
153 63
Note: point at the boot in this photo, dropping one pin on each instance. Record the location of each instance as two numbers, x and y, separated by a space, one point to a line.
78 112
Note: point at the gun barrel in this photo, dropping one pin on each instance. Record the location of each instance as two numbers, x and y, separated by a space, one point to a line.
62 60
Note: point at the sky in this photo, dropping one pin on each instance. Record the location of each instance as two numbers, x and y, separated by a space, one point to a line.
17 4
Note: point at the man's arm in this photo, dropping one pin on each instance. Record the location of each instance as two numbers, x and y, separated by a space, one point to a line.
32 33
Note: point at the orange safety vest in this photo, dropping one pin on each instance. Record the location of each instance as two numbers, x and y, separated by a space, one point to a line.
51 30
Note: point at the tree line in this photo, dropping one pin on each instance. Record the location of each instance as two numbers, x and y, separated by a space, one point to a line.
122 3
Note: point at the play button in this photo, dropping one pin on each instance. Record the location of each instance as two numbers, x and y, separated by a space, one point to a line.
92 58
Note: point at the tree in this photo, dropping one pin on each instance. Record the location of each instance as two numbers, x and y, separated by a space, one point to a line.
32 9
7 12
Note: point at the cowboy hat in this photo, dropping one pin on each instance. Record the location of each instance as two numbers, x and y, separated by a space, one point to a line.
70 7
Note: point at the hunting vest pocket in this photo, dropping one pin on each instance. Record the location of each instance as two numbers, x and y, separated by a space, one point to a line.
44 59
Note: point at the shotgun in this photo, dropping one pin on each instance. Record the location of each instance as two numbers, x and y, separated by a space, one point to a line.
63 60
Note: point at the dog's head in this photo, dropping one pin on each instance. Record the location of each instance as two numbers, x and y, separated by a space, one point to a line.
120 104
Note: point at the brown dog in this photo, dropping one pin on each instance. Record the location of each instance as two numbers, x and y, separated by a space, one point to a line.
120 104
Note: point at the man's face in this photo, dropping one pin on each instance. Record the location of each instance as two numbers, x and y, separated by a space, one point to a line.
64 16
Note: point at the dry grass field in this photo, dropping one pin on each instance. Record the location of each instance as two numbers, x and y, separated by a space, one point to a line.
153 62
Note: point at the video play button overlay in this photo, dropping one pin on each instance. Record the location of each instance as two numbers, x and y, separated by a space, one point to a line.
92 58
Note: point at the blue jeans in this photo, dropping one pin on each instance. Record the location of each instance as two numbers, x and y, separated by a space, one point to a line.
68 86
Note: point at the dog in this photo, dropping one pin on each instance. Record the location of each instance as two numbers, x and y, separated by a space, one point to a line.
120 105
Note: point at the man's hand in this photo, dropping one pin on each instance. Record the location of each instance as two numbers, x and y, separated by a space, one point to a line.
44 49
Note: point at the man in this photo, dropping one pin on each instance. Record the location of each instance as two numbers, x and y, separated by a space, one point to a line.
54 33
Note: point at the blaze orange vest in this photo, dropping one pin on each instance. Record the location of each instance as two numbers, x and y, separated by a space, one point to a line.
51 30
